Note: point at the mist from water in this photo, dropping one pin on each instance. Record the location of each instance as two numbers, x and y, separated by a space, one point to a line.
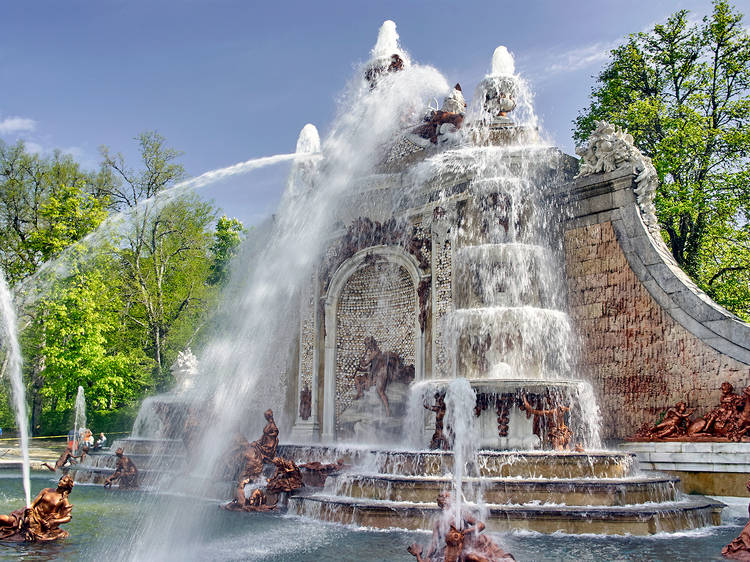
250 355
14 370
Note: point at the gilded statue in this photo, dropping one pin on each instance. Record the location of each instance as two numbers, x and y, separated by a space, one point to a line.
40 522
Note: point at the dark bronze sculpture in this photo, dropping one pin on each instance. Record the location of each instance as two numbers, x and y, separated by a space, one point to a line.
246 459
463 544
375 71
305 403
558 433
379 369
125 474
268 443
739 548
287 477
439 439
728 421
674 424
315 473
65 460
40 522
257 501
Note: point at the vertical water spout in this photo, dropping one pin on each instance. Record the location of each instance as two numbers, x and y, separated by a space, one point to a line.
80 415
15 374
460 399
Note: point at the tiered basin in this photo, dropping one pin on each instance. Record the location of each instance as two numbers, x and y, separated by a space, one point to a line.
598 492
154 459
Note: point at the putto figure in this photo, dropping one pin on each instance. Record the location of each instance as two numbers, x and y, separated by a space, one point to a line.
674 424
380 369
40 522
439 439
558 433
125 474
462 544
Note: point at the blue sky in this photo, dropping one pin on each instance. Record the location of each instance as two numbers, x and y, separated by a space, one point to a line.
229 80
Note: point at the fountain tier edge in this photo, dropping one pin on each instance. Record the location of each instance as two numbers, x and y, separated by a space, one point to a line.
546 492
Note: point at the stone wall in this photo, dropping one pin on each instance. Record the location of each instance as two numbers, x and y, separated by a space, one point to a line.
643 353
378 300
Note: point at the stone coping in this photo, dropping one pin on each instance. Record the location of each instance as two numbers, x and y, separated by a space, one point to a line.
609 197
685 456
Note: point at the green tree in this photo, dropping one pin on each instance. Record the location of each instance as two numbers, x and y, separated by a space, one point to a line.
79 329
45 204
683 91
227 240
166 251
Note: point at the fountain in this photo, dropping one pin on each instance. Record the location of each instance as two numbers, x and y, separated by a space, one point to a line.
397 270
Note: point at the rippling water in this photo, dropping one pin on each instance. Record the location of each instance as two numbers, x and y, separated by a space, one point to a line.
101 515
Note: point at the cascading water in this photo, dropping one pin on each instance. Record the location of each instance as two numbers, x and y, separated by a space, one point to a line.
255 343
15 374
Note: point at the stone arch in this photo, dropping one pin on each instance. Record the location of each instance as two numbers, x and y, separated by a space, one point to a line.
394 256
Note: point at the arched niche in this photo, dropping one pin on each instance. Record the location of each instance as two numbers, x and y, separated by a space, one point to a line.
349 273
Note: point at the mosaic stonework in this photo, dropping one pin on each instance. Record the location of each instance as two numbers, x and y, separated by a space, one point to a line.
378 300
307 336
638 358
442 303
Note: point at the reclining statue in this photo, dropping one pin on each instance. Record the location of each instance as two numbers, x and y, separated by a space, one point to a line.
40 522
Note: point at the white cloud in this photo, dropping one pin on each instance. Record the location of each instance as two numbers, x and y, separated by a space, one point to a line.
16 125
581 57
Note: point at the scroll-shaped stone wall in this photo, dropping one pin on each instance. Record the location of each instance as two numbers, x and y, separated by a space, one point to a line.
649 336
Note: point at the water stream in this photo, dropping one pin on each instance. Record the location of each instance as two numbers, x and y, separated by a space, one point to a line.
15 374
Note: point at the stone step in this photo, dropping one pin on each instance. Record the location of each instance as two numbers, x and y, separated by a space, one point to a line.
599 492
508 464
642 519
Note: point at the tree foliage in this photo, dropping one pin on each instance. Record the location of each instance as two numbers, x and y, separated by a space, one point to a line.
118 307
683 91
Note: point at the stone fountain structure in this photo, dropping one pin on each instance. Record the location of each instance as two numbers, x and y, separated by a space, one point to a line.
449 260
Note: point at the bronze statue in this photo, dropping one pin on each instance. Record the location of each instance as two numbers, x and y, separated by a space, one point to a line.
674 424
257 501
126 474
558 433
315 473
268 443
65 460
375 71
380 368
246 464
439 439
458 544
721 421
729 421
40 522
739 548
287 477
305 403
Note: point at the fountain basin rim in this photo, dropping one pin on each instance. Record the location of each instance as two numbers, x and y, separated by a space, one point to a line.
515 480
